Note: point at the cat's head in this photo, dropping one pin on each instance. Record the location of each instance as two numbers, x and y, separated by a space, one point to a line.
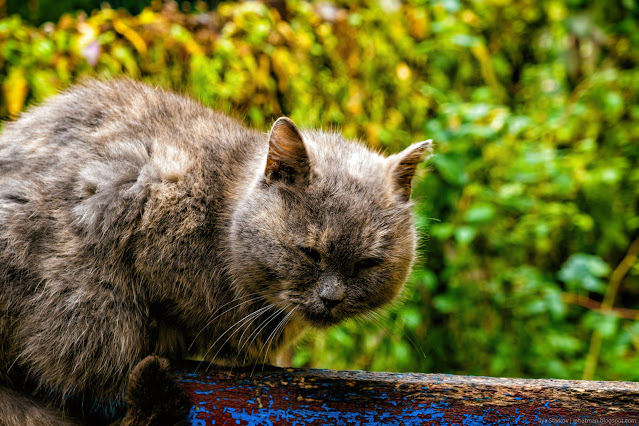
326 228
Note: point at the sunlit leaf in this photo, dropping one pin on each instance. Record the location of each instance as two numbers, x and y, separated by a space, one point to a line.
15 89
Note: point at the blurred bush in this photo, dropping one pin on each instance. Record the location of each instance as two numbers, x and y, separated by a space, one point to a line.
528 212
40 11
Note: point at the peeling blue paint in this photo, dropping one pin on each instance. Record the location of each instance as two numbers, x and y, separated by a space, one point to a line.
192 417
410 416
313 400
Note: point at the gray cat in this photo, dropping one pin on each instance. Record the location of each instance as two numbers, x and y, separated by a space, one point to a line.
138 226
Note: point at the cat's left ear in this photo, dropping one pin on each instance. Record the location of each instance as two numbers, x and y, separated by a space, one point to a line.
404 165
287 159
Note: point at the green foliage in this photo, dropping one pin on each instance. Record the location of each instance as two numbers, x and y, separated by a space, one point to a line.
529 205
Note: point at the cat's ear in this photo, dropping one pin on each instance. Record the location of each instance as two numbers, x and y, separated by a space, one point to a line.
287 159
404 164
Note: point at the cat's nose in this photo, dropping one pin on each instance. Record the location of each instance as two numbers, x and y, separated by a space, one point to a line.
331 292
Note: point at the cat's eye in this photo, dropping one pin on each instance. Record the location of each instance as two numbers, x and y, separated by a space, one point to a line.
367 263
311 254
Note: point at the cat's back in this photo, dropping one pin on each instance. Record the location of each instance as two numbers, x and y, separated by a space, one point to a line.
114 132
93 159
111 119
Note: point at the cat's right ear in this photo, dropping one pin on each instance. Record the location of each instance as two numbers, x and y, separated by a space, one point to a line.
287 159
405 163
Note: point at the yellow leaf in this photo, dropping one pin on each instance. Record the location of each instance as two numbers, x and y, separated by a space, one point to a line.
147 16
135 39
193 48
354 103
15 89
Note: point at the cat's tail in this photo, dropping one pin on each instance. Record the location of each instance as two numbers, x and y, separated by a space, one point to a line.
19 410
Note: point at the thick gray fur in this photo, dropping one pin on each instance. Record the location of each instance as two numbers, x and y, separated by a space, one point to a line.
134 221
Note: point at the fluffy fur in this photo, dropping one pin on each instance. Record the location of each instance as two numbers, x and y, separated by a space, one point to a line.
134 222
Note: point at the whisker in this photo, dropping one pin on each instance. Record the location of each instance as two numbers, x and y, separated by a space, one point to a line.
246 322
378 319
209 322
253 333
271 338
261 327
254 313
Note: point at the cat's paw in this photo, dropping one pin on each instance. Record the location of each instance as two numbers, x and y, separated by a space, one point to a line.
153 396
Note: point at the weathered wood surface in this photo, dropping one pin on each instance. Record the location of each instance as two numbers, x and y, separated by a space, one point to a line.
275 396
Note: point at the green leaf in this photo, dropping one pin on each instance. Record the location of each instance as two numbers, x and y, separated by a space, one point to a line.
583 271
442 231
480 213
425 277
445 303
451 168
465 234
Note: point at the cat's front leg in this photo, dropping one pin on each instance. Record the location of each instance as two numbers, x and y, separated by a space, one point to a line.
91 343
153 396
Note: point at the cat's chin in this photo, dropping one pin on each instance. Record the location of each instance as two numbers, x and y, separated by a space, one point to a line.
321 320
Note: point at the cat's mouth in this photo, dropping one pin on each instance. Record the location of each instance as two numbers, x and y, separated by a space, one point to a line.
316 313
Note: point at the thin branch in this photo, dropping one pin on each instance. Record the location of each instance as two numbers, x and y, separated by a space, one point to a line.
593 305
609 299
